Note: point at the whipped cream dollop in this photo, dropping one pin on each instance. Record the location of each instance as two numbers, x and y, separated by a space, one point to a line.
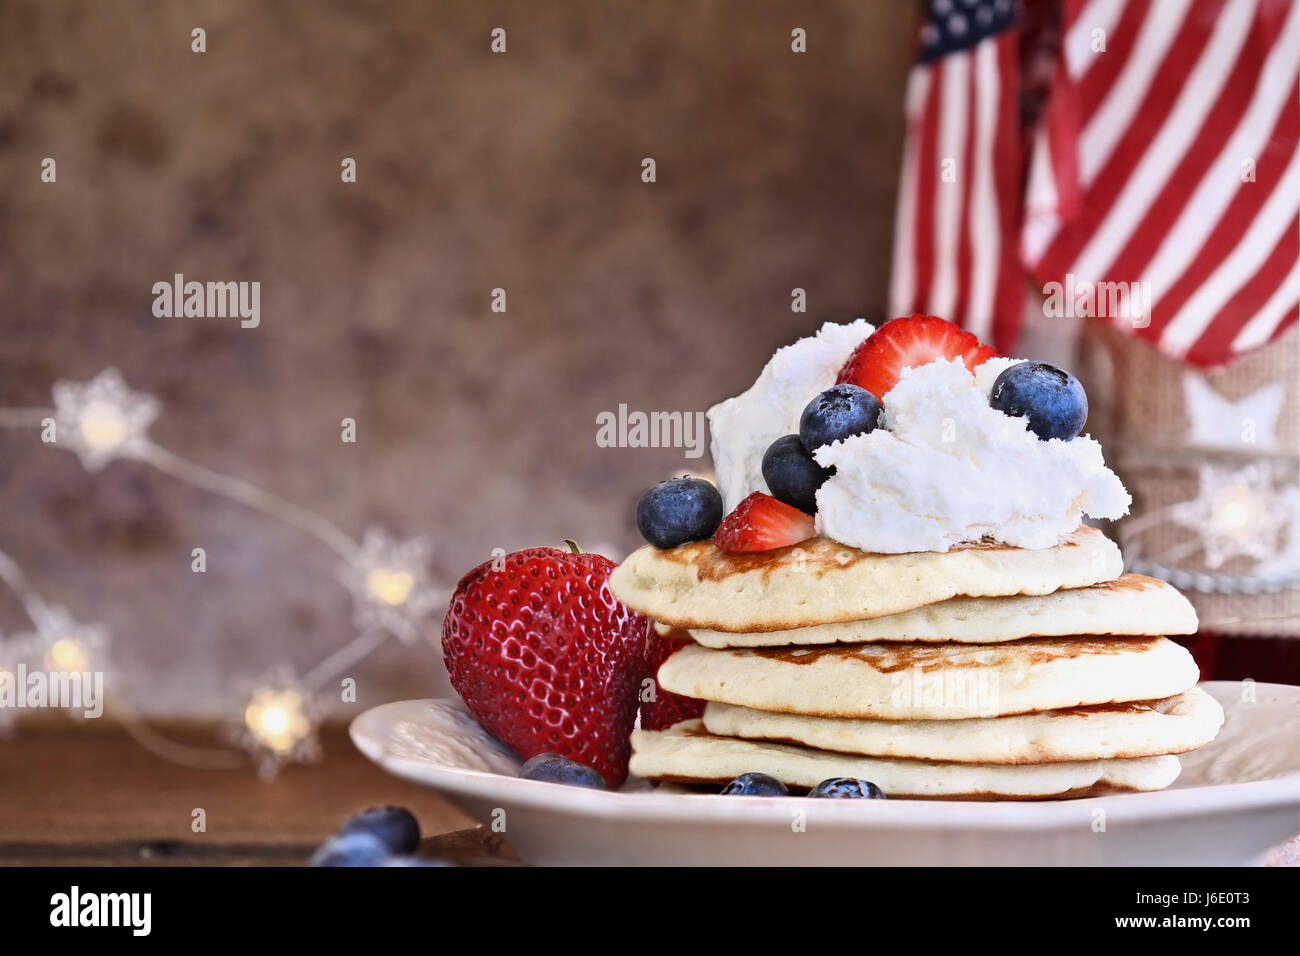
944 468
741 428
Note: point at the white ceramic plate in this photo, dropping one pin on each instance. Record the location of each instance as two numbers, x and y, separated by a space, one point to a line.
1235 799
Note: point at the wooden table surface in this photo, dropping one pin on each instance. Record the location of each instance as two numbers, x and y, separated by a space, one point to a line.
76 796
72 795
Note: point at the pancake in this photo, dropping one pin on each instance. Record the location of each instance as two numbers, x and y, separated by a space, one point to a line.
689 753
1132 604
820 581
1100 732
933 681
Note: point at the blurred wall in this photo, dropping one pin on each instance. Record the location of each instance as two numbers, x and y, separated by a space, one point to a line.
475 171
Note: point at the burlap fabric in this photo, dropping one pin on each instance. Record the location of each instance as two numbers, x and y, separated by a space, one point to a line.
1245 476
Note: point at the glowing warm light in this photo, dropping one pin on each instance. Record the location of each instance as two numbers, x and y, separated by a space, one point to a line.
277 719
67 656
390 585
102 426
1234 510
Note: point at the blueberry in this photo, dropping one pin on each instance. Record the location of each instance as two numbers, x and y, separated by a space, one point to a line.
838 413
1053 399
847 788
791 474
552 768
755 785
679 510
395 827
352 849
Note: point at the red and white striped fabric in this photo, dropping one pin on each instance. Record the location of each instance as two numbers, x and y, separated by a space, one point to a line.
1166 152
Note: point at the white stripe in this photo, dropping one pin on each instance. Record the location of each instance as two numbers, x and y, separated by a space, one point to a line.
902 284
1239 266
1041 219
1112 119
1264 323
1166 151
948 199
1098 15
985 226
1222 181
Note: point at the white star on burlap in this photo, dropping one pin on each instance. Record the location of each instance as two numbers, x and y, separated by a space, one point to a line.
1216 422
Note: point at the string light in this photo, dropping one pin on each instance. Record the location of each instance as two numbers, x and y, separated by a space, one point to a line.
1236 513
390 585
102 419
68 646
278 722
1233 511
277 717
67 656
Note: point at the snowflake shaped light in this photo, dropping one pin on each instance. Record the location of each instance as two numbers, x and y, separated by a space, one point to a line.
1236 513
103 419
60 644
277 722
65 645
390 585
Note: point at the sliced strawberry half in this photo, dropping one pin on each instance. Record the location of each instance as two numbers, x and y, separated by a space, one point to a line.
761 523
903 343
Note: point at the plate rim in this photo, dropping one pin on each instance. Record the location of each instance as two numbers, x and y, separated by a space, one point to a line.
912 814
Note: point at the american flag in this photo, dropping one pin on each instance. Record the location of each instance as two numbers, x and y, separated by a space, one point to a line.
1064 145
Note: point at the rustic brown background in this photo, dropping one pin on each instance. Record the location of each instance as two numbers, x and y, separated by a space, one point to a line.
521 170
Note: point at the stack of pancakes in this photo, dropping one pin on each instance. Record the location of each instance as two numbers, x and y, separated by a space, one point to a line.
986 672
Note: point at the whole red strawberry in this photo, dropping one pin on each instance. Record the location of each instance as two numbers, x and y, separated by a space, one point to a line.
661 709
546 658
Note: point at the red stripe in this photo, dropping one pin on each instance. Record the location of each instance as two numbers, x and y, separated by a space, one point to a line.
1215 344
1232 226
966 183
1064 124
1220 123
926 135
1096 84
1166 85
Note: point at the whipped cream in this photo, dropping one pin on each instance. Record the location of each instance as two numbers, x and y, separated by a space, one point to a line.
947 467
741 428
944 468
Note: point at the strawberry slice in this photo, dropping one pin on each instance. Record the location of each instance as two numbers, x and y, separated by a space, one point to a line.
903 343
761 523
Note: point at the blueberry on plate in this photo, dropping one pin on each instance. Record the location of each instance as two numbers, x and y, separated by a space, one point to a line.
755 785
1051 398
840 412
791 474
679 510
552 768
352 849
395 827
415 861
847 788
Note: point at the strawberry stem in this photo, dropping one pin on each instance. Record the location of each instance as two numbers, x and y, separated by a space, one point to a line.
573 546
